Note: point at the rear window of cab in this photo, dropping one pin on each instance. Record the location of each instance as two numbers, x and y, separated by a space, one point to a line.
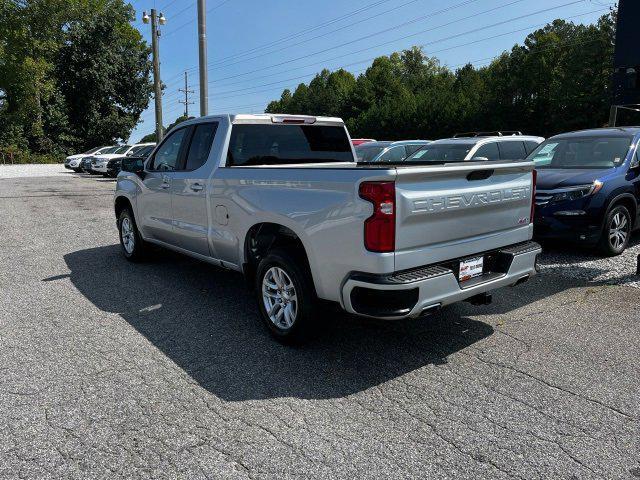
264 144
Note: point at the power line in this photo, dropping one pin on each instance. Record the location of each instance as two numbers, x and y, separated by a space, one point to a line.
180 12
312 29
167 5
473 62
424 45
430 43
530 52
171 32
370 35
285 62
302 32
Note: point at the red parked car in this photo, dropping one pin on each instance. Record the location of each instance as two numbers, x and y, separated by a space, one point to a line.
360 141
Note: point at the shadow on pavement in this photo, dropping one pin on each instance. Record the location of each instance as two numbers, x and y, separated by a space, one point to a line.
204 319
572 253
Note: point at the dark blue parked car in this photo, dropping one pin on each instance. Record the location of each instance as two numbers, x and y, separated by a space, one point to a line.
588 187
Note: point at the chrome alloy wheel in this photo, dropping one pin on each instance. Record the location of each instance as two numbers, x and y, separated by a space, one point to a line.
279 297
618 230
128 236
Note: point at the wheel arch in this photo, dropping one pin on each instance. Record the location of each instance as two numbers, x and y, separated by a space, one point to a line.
628 201
120 203
263 237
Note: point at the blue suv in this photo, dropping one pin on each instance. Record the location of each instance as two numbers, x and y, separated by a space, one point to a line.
588 188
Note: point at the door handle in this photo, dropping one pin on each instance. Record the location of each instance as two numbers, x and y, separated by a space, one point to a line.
196 187
165 182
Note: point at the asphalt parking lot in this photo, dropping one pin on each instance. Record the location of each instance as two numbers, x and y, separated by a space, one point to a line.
162 370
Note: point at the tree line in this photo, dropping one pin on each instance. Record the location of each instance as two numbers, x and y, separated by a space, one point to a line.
74 74
557 80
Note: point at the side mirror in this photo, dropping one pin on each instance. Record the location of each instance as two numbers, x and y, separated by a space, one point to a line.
635 162
480 159
133 165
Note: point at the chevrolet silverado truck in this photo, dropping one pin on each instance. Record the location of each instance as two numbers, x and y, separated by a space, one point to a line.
283 200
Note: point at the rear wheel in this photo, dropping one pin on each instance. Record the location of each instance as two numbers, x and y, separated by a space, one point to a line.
285 297
133 247
617 229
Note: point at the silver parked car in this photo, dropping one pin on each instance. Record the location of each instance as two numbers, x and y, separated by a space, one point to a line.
374 152
282 200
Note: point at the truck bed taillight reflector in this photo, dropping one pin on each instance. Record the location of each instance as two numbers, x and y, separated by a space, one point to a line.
380 228
533 196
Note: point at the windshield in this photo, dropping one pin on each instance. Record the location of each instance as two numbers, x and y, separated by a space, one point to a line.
367 153
109 150
581 152
143 151
122 149
288 144
93 150
441 152
140 150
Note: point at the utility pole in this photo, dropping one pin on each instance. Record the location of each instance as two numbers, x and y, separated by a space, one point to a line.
155 46
202 57
186 91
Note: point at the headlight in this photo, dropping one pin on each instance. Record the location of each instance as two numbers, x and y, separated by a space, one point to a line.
574 193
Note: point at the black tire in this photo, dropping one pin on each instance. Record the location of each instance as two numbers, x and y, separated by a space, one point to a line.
618 220
306 302
138 251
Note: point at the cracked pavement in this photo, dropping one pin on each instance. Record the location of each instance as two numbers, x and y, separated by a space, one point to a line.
162 370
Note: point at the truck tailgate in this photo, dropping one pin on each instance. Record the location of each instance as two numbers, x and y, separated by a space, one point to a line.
452 211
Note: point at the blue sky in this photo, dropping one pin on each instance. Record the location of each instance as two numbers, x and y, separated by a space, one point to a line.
256 48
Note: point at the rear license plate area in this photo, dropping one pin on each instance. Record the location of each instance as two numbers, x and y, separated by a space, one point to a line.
470 268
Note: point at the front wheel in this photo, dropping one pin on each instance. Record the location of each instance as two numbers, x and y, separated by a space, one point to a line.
617 229
133 247
285 297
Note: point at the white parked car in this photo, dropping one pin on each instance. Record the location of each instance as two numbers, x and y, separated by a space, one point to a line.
478 146
72 162
99 163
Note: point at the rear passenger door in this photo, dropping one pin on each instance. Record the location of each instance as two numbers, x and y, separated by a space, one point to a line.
512 150
189 190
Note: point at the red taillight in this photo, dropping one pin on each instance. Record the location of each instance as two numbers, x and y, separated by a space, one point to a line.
533 196
380 228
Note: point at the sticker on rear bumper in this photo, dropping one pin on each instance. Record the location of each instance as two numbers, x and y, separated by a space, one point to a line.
470 267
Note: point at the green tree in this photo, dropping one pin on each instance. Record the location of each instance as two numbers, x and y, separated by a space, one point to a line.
73 73
103 73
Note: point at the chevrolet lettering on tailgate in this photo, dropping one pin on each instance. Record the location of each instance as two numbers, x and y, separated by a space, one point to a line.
471 200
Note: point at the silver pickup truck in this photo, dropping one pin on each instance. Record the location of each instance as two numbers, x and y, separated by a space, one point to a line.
283 200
